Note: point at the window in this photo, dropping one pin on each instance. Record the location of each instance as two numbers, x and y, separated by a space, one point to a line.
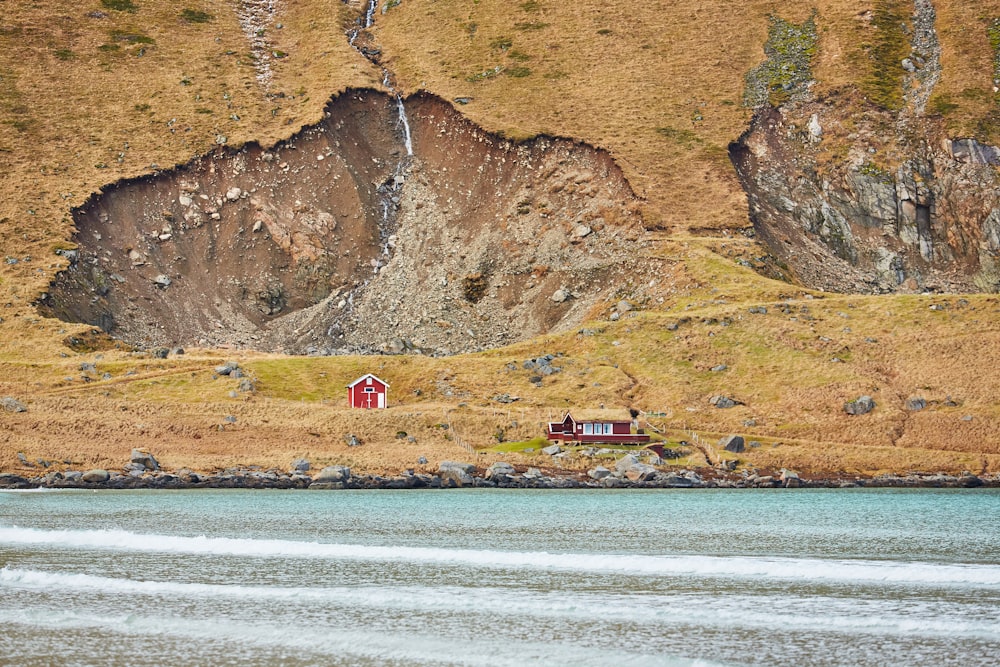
369 390
588 429
607 429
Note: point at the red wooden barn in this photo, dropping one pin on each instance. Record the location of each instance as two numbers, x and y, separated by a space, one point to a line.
368 392
605 431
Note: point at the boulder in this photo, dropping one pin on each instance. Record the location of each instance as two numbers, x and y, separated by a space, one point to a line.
859 406
332 475
733 443
458 473
640 472
352 440
915 403
96 476
723 402
12 405
560 295
626 462
551 450
500 469
300 465
598 473
226 368
789 479
145 459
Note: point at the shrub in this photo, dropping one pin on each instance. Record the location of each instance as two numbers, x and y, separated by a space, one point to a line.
195 16
120 5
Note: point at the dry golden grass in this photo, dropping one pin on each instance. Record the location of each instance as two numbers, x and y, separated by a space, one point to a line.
658 84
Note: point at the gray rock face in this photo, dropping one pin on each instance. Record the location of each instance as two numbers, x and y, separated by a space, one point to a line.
928 218
626 462
860 406
733 443
333 474
96 476
145 459
640 472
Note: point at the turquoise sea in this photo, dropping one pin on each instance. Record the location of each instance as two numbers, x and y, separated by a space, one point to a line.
500 577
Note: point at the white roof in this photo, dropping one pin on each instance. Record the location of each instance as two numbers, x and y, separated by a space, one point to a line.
365 377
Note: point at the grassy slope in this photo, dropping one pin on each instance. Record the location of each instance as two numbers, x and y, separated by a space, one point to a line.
650 82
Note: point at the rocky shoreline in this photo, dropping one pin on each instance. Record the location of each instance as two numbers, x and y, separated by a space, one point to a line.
144 473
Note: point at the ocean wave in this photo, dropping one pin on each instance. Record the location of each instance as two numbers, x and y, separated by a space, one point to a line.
344 646
740 567
809 612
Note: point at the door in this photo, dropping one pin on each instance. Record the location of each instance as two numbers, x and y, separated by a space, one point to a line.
381 400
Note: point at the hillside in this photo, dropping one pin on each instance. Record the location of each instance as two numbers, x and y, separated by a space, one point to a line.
789 207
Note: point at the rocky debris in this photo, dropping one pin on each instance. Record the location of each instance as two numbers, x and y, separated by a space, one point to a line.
719 368
733 443
300 466
352 440
915 404
270 247
12 405
456 473
506 398
860 406
24 460
227 368
723 402
560 295
464 474
542 365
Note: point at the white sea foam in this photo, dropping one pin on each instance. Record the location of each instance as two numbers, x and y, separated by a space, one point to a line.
342 645
797 612
740 567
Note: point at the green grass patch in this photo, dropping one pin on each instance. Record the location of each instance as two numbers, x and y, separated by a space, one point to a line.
120 5
520 447
195 16
64 54
884 84
131 37
518 72
790 49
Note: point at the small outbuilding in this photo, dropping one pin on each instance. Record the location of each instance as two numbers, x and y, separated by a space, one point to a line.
368 392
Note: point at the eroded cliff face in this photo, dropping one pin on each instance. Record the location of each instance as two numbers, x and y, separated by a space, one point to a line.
871 201
338 240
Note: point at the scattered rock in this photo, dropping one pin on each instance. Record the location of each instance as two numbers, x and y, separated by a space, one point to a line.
560 295
506 398
598 473
581 231
227 368
733 443
12 405
499 470
719 368
300 465
552 450
163 281
96 476
145 459
789 479
460 474
723 402
859 406
24 460
352 440
915 403
333 475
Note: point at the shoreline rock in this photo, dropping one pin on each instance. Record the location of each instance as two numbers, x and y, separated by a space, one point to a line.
464 475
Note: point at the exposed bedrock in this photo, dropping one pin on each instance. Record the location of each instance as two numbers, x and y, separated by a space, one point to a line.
337 240
867 202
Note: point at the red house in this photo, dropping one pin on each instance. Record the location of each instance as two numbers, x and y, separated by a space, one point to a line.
367 392
604 431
